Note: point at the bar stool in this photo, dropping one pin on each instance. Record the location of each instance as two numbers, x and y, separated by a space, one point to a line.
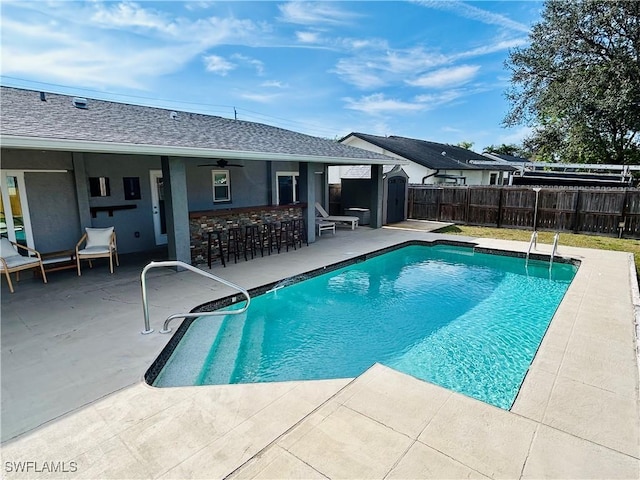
217 244
269 237
234 243
252 240
287 235
300 231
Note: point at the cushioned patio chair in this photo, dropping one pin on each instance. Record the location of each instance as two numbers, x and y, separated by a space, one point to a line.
337 218
11 260
100 243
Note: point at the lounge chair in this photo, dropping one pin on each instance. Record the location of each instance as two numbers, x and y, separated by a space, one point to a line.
100 243
323 226
337 218
11 260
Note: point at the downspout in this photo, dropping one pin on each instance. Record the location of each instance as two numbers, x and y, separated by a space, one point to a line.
430 175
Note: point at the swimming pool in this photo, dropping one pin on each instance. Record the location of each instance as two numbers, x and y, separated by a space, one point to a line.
465 320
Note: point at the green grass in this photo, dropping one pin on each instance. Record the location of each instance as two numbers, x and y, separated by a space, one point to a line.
568 239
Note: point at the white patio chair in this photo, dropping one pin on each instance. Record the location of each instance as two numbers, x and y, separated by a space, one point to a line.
100 243
338 218
11 260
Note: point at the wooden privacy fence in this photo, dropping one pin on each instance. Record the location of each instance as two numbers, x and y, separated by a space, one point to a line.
602 211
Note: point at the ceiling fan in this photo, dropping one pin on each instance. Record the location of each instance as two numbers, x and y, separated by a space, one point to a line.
221 163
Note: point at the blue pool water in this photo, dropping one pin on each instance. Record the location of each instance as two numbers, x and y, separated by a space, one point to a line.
467 321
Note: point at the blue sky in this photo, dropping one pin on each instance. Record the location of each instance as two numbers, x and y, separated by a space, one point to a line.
426 69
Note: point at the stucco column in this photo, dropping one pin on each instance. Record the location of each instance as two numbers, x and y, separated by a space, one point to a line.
376 196
176 209
82 192
307 186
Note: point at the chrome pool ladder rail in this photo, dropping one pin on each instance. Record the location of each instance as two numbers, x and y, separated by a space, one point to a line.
554 251
532 243
177 263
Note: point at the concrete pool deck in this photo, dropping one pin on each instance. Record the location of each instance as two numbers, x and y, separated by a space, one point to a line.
73 400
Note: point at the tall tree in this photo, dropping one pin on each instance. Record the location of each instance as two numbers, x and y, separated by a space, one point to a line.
504 149
578 82
465 144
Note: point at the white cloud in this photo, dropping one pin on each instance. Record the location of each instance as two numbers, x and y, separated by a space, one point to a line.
379 67
315 13
436 99
308 37
494 47
103 68
362 43
446 77
376 69
260 97
474 13
274 84
112 44
129 14
217 64
257 64
201 5
378 104
359 73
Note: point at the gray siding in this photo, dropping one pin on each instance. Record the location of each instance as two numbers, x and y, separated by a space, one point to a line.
126 222
53 210
249 185
35 160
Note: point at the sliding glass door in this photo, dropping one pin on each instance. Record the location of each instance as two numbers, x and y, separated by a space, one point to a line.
15 223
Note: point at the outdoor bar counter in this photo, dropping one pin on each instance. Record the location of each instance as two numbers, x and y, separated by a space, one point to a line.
201 222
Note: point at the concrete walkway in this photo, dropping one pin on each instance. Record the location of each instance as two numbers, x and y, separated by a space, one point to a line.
73 400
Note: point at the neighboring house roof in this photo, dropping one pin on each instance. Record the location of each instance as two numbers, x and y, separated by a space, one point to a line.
505 158
56 124
436 156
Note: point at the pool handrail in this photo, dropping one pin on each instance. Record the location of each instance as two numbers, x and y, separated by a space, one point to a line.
177 263
532 243
554 251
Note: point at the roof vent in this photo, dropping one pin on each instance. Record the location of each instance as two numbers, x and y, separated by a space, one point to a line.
443 153
43 97
173 115
80 103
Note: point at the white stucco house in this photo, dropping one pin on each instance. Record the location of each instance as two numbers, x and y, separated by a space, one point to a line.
429 162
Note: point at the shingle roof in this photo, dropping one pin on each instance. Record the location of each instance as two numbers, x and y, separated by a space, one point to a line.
24 114
511 158
436 156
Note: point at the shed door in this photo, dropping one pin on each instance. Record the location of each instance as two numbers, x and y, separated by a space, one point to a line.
396 199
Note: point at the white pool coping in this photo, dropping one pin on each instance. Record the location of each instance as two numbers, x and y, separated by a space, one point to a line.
576 415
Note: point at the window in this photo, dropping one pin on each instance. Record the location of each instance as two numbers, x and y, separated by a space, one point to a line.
288 190
221 184
493 179
131 188
99 187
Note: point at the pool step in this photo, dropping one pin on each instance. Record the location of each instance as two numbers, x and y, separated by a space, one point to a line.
224 352
250 353
185 364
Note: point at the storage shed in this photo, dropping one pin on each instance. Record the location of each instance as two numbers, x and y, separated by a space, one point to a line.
355 194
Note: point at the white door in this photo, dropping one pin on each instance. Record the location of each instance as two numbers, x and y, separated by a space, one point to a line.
15 223
157 206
